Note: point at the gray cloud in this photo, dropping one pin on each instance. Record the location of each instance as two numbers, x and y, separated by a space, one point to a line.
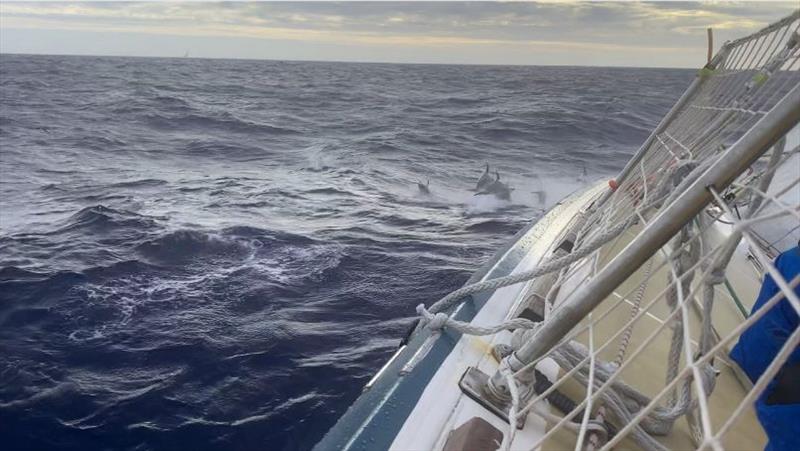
480 32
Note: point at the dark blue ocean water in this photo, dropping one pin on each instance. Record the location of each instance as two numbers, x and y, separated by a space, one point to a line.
218 254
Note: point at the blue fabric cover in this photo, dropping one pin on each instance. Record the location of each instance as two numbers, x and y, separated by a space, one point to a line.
761 343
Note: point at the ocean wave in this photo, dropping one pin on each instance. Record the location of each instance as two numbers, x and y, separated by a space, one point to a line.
224 149
99 218
171 103
223 122
15 274
460 101
493 226
140 183
229 244
212 254
94 142
182 246
330 191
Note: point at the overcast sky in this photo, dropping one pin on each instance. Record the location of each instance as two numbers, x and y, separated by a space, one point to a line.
670 34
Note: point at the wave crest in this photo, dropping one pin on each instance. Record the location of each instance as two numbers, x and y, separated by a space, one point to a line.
99 218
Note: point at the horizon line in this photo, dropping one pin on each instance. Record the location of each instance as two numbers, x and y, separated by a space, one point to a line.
342 61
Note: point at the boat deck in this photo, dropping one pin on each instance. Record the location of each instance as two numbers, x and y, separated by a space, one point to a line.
647 372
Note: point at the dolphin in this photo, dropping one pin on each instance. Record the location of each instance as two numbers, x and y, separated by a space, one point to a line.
540 193
485 180
584 175
497 188
424 189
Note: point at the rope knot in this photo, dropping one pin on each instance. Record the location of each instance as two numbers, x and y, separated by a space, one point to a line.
439 321
435 321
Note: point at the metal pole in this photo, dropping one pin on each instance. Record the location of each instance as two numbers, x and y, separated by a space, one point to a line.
763 135
710 44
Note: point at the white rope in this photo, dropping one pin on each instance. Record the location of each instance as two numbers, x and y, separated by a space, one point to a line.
637 302
587 412
436 322
512 410
442 320
545 268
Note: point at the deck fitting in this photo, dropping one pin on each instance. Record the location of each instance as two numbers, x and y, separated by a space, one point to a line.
473 383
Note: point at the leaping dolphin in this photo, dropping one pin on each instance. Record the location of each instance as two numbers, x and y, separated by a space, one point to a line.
497 188
485 179
424 189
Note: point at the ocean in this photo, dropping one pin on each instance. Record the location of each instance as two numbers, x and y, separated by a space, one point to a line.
218 254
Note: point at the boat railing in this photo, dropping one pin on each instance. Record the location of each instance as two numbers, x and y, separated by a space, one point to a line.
721 144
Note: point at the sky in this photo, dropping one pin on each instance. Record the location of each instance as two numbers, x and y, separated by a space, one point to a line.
639 34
